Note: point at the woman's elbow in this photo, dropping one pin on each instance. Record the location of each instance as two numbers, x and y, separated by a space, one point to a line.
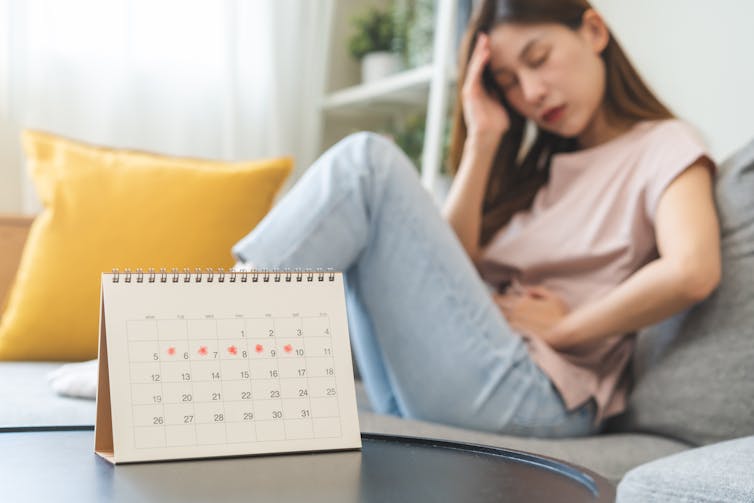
700 280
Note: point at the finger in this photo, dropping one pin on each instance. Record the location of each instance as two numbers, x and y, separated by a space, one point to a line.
506 302
481 54
480 47
524 304
539 291
508 309
509 295
479 58
541 294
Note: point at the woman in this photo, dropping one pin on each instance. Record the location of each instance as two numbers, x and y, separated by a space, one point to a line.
515 313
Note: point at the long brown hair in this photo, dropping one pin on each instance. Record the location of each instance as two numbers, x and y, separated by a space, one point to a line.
513 183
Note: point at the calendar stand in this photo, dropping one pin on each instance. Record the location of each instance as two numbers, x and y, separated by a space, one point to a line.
205 364
103 440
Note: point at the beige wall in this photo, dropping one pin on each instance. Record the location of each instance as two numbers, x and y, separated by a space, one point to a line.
11 198
697 56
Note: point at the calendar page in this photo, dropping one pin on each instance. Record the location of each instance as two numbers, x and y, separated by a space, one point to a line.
243 363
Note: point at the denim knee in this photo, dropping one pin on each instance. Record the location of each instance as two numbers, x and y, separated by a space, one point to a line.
378 156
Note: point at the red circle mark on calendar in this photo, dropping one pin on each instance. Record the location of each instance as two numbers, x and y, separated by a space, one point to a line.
259 348
203 350
233 350
171 350
288 348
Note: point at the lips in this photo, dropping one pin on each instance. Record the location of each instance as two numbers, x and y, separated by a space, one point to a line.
552 115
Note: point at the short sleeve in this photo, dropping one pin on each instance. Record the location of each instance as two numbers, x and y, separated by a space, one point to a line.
673 148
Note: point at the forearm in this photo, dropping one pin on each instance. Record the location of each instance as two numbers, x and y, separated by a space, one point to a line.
463 206
688 271
655 292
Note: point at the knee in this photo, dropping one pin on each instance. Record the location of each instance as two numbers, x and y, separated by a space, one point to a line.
376 153
357 146
363 141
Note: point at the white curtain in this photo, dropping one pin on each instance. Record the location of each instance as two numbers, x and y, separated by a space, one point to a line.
224 79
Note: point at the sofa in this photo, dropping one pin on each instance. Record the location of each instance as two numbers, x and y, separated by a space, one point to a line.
693 381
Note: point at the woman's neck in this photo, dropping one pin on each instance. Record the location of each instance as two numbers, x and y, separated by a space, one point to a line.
601 130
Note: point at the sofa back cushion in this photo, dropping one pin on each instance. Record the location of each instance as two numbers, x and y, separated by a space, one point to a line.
694 374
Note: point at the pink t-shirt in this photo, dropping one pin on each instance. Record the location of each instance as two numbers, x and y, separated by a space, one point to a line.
588 230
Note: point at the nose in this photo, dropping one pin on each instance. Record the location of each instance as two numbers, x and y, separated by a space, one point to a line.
532 87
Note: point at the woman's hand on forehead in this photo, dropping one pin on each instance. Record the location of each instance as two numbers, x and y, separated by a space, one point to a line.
484 114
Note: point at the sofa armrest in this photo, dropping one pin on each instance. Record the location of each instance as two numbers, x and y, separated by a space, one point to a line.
716 472
13 232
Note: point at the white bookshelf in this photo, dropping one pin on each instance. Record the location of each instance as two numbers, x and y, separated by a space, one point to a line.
409 87
348 105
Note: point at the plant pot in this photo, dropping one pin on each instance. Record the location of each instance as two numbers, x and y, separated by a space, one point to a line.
377 65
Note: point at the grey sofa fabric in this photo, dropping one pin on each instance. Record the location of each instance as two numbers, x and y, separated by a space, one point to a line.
695 377
720 472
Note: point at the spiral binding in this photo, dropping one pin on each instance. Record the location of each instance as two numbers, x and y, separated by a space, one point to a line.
210 275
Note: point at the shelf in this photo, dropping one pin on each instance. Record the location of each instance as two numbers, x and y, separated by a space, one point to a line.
410 87
388 103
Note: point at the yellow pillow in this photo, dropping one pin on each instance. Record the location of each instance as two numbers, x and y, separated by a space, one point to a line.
106 208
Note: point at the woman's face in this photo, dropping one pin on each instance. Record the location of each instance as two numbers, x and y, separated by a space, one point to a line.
551 74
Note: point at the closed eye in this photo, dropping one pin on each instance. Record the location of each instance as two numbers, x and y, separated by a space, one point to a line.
539 59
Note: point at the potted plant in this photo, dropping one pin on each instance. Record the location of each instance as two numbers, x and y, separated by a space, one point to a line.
374 43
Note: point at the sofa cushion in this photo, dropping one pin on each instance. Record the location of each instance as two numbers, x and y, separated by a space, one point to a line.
106 208
720 472
694 372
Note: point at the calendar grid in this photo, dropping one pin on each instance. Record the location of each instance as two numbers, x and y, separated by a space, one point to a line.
308 375
254 415
192 371
277 367
222 382
337 391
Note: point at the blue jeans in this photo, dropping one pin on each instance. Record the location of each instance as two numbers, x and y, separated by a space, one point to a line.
429 341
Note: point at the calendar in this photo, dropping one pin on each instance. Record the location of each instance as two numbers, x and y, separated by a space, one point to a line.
197 364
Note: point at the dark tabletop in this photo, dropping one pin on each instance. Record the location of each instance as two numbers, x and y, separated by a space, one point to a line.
60 465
